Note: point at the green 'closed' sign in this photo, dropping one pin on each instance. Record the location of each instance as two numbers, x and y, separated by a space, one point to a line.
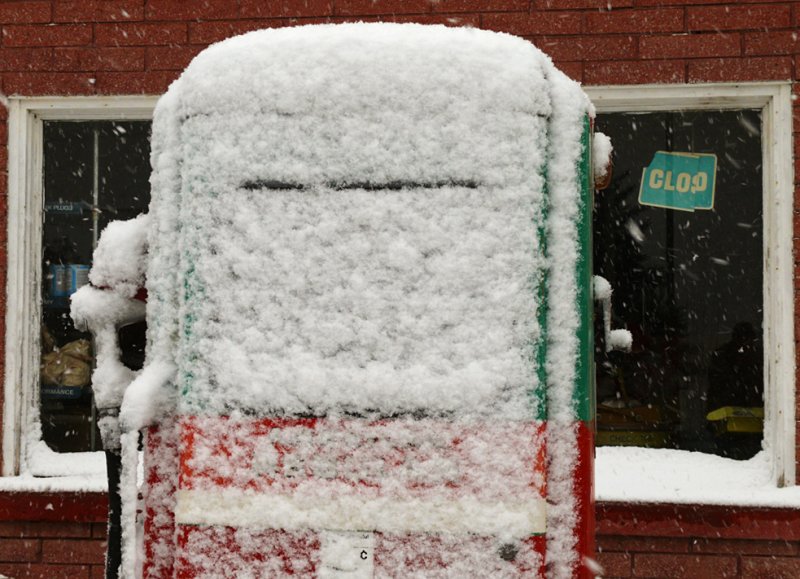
682 181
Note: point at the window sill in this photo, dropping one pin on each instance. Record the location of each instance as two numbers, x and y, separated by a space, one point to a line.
658 476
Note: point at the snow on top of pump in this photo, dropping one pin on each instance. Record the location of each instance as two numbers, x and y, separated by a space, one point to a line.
376 103
361 210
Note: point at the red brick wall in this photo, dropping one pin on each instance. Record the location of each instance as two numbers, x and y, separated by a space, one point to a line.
104 47
698 542
52 550
52 535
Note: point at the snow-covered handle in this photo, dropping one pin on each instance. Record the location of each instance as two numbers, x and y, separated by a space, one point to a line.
620 340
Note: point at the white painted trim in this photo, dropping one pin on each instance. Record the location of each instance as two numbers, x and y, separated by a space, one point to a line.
25 116
774 100
466 514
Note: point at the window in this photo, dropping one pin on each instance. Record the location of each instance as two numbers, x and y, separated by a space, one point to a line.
707 294
94 172
74 165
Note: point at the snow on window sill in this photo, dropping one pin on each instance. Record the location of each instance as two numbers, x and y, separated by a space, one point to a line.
649 475
50 471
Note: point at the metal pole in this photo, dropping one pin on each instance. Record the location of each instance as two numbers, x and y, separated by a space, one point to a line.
95 236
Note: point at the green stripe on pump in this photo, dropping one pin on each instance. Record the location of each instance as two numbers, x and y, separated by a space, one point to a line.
539 394
584 375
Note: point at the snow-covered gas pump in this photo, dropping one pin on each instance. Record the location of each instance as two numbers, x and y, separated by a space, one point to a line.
369 311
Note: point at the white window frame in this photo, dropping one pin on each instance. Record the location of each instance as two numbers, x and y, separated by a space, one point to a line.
23 291
774 101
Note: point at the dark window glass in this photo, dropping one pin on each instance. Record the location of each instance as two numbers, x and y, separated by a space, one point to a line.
688 285
94 172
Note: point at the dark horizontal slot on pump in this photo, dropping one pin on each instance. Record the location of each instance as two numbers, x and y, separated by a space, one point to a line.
390 186
398 185
267 184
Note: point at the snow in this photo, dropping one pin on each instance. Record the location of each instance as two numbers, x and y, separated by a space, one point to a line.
601 154
649 475
621 340
602 288
119 260
375 103
405 300
46 462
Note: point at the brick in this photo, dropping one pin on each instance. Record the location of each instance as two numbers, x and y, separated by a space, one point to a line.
733 17
99 530
285 8
48 83
261 8
98 10
39 571
684 566
450 6
190 10
744 547
92 59
150 82
534 24
635 21
19 59
71 551
25 12
468 20
19 550
770 568
690 45
31 529
140 34
615 564
375 7
51 35
204 33
690 2
635 72
739 69
766 43
170 57
576 4
574 70
588 47
639 544
97 572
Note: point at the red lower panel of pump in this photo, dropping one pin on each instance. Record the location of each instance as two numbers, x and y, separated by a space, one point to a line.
296 497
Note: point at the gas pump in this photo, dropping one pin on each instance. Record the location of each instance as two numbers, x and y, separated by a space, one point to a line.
369 311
